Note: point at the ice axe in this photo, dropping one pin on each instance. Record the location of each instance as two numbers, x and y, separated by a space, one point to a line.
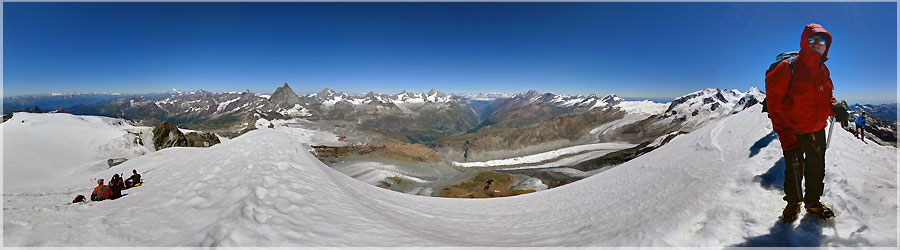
830 130
839 112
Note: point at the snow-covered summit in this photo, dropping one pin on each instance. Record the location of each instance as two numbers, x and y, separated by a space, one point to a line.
704 106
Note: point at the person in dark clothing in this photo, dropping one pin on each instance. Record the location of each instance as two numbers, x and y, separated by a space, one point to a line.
134 179
801 102
115 187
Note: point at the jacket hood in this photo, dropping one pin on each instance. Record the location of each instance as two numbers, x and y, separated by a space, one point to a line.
809 31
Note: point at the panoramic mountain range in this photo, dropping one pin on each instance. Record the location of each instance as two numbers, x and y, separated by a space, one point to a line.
485 124
53 101
884 111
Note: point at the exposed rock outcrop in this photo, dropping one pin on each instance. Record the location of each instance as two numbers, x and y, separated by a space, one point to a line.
115 161
201 139
166 135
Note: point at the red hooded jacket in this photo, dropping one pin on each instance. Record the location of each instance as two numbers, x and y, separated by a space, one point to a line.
809 98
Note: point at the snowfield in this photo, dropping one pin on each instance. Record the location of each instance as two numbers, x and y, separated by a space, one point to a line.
717 186
40 147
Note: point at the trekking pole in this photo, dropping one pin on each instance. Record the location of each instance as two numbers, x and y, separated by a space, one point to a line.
798 168
830 130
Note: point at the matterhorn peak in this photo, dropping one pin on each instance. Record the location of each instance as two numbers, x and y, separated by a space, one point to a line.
284 87
284 96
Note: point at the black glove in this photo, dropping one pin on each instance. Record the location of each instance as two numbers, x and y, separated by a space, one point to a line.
840 112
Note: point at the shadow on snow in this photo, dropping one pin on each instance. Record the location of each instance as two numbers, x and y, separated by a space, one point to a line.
774 177
807 234
762 143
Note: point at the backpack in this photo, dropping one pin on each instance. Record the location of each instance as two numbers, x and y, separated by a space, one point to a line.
79 198
791 57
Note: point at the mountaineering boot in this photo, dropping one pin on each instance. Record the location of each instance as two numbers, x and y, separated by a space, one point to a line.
790 212
820 210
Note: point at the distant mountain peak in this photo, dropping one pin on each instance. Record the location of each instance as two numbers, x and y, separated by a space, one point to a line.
284 87
325 93
284 96
612 99
531 95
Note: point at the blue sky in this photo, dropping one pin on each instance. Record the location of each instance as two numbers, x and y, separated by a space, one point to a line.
628 49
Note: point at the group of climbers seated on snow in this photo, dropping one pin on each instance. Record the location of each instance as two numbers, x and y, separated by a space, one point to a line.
114 189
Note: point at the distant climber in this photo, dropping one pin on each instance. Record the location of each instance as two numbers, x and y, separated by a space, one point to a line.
799 94
101 192
861 126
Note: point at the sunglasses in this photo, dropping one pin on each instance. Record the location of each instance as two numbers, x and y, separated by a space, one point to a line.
813 40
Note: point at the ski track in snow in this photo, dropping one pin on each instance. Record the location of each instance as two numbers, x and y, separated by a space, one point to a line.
265 189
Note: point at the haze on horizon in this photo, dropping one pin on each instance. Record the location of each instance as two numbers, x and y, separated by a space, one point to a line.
564 48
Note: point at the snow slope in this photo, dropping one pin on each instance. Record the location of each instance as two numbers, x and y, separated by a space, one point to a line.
712 187
42 147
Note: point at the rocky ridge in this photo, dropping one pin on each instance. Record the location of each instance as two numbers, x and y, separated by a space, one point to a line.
167 135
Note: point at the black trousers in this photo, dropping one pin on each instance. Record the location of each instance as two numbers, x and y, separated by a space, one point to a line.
805 161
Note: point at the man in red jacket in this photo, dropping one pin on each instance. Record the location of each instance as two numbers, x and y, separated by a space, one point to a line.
799 105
